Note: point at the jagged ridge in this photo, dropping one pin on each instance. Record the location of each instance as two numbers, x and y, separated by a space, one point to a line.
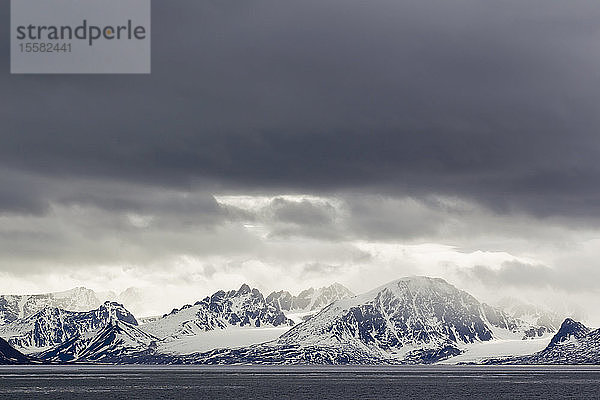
113 343
310 299
574 343
51 326
411 320
13 307
243 307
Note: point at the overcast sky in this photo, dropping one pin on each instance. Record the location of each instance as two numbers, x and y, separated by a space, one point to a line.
296 143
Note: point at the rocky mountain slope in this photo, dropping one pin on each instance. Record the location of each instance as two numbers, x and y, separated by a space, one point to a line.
13 307
245 307
574 343
51 326
114 343
125 342
10 356
411 320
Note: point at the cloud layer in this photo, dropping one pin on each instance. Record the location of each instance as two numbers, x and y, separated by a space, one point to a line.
495 103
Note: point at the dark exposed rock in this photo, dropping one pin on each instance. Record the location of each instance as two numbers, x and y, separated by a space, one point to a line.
8 355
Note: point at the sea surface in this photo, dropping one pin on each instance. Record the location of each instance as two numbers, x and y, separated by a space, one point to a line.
314 383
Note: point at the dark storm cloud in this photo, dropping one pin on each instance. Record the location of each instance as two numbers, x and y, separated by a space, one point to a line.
36 196
378 218
357 217
82 235
285 219
302 212
496 102
19 196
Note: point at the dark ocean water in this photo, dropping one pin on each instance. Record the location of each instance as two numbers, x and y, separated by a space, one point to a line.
314 383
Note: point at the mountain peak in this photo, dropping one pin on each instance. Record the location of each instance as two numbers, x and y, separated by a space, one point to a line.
112 304
569 329
114 311
407 313
413 284
310 299
337 285
244 289
422 280
116 339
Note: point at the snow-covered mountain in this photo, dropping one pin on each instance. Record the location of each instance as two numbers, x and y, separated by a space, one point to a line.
211 320
397 319
574 343
406 312
113 343
13 307
569 330
51 326
245 307
310 299
410 320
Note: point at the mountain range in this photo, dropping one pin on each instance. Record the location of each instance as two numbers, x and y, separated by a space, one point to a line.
413 320
109 344
52 326
62 335
574 343
13 307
